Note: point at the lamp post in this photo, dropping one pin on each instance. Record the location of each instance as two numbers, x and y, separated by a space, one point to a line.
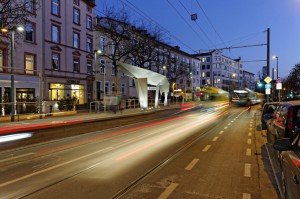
276 57
12 77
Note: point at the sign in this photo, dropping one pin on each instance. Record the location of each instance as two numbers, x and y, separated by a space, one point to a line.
268 86
278 86
73 81
268 79
151 88
268 91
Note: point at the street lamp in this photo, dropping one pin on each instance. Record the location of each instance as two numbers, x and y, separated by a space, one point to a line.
276 57
12 77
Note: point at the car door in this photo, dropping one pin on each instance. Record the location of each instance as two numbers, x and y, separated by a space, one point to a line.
291 170
280 121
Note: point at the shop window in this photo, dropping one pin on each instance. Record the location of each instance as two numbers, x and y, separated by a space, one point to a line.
77 93
29 63
56 91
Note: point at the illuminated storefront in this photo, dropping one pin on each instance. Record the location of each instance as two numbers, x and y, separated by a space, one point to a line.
58 91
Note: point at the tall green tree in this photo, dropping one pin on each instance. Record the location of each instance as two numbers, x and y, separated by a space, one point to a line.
293 80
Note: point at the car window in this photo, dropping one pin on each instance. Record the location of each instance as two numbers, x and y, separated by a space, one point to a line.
283 113
297 120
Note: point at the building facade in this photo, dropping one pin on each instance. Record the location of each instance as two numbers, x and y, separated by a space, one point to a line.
220 71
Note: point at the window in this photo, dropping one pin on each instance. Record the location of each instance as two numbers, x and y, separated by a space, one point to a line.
29 63
113 47
113 70
203 82
207 59
76 65
102 44
55 7
89 44
76 2
89 22
55 33
29 5
203 74
102 66
203 67
113 87
76 40
106 87
208 67
30 32
1 59
123 89
55 61
76 16
89 67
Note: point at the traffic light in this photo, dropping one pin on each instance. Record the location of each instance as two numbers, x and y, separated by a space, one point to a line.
259 84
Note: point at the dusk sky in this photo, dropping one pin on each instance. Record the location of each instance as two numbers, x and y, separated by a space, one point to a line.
227 23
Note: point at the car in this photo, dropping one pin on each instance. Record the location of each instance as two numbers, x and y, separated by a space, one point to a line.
267 113
286 121
290 166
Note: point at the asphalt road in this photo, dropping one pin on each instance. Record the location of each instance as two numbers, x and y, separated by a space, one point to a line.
198 154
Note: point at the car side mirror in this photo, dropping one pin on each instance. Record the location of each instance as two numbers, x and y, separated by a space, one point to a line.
283 144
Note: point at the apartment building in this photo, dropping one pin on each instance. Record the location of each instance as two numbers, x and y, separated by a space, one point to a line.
54 54
220 71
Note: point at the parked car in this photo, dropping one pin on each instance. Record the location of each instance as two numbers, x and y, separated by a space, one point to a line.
267 113
290 166
285 122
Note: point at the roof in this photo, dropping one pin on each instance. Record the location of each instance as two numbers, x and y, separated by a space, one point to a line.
153 78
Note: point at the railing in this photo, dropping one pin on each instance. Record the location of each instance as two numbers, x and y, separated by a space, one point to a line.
97 106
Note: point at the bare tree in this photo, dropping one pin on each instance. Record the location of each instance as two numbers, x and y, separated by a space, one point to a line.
15 12
116 26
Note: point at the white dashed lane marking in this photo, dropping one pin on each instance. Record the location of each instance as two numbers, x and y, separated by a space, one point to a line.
215 139
249 134
168 191
248 152
221 132
247 170
249 141
206 148
225 127
192 164
246 196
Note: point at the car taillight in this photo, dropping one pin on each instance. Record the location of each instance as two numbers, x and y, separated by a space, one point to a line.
290 119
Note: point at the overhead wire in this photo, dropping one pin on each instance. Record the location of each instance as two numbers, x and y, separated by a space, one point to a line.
152 21
197 24
188 24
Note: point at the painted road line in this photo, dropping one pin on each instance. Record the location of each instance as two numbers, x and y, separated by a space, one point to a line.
168 191
16 157
54 167
192 164
247 170
251 125
250 129
221 132
249 141
249 134
225 127
248 152
229 124
215 139
206 148
246 196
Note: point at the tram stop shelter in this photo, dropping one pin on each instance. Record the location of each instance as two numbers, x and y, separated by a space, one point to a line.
142 78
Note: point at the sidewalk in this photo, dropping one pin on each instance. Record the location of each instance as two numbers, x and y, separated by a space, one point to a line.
79 117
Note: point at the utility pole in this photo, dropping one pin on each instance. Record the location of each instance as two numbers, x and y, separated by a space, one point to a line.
268 56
